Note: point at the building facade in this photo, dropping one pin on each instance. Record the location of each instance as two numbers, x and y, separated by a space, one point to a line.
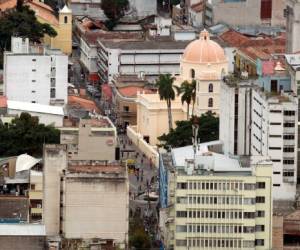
217 202
34 74
148 58
292 14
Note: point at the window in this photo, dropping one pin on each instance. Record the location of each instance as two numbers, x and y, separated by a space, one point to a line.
33 80
210 88
259 242
210 102
182 185
259 228
33 70
181 243
275 148
289 113
33 101
52 93
288 173
276 185
276 160
275 136
288 137
260 199
181 228
260 213
249 215
275 123
289 125
288 161
248 229
34 60
261 185
181 214
288 149
276 172
65 19
125 108
192 73
275 111
249 186
33 91
32 186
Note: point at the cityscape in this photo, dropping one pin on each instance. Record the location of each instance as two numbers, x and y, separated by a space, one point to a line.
149 124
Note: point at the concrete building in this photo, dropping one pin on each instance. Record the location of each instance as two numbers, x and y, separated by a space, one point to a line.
235 116
148 58
36 195
143 8
35 74
251 12
274 133
218 202
90 139
292 14
84 199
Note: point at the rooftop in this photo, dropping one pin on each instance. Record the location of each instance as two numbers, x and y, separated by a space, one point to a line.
131 91
95 169
22 230
84 103
35 107
144 45
98 121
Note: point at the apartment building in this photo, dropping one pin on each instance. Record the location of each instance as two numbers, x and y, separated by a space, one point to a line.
218 202
90 139
86 200
35 74
149 58
274 133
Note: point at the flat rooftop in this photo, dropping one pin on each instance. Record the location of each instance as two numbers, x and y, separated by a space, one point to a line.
93 169
144 45
97 122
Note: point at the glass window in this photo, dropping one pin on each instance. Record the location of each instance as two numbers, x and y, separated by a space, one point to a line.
210 102
210 88
192 73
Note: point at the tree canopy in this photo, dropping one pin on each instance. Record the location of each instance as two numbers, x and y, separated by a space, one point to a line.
26 135
21 22
114 10
182 134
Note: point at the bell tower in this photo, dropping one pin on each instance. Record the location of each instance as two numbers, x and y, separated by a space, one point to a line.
65 29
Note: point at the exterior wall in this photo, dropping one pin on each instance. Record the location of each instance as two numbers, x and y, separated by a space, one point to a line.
55 160
153 121
195 18
189 226
143 8
47 119
22 242
88 56
90 8
277 13
267 132
89 216
293 25
28 78
63 40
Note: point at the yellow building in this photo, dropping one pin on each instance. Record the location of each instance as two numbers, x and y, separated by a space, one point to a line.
218 202
45 14
203 61
36 195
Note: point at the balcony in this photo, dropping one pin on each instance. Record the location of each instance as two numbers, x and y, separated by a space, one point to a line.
36 210
36 195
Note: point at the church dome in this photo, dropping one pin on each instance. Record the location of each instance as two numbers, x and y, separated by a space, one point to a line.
203 50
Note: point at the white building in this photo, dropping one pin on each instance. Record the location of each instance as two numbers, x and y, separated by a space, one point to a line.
235 111
274 133
47 114
149 58
292 13
88 53
35 74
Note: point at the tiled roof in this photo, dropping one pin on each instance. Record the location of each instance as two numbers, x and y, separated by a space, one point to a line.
41 10
131 91
234 38
82 102
3 102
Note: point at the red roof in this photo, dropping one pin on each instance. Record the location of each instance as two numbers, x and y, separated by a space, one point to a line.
82 102
131 91
3 102
234 38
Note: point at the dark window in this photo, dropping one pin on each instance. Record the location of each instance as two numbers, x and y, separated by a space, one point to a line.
125 108
288 161
289 125
260 228
65 19
52 93
260 199
288 149
288 174
259 242
210 87
260 213
210 102
288 137
276 172
276 185
275 136
276 160
261 185
192 73
182 185
181 214
275 123
34 60
289 113
275 111
275 148
33 70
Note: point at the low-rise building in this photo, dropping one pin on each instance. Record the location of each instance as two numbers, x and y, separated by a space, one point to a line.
84 200
218 202
90 139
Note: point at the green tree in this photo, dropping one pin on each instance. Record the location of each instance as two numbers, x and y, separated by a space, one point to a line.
188 91
182 134
138 238
114 10
166 91
21 22
26 135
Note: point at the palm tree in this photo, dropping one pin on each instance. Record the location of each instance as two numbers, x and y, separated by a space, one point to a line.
166 92
188 91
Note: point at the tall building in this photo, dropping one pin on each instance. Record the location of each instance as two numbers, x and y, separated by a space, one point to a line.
274 133
35 74
218 202
292 14
86 200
